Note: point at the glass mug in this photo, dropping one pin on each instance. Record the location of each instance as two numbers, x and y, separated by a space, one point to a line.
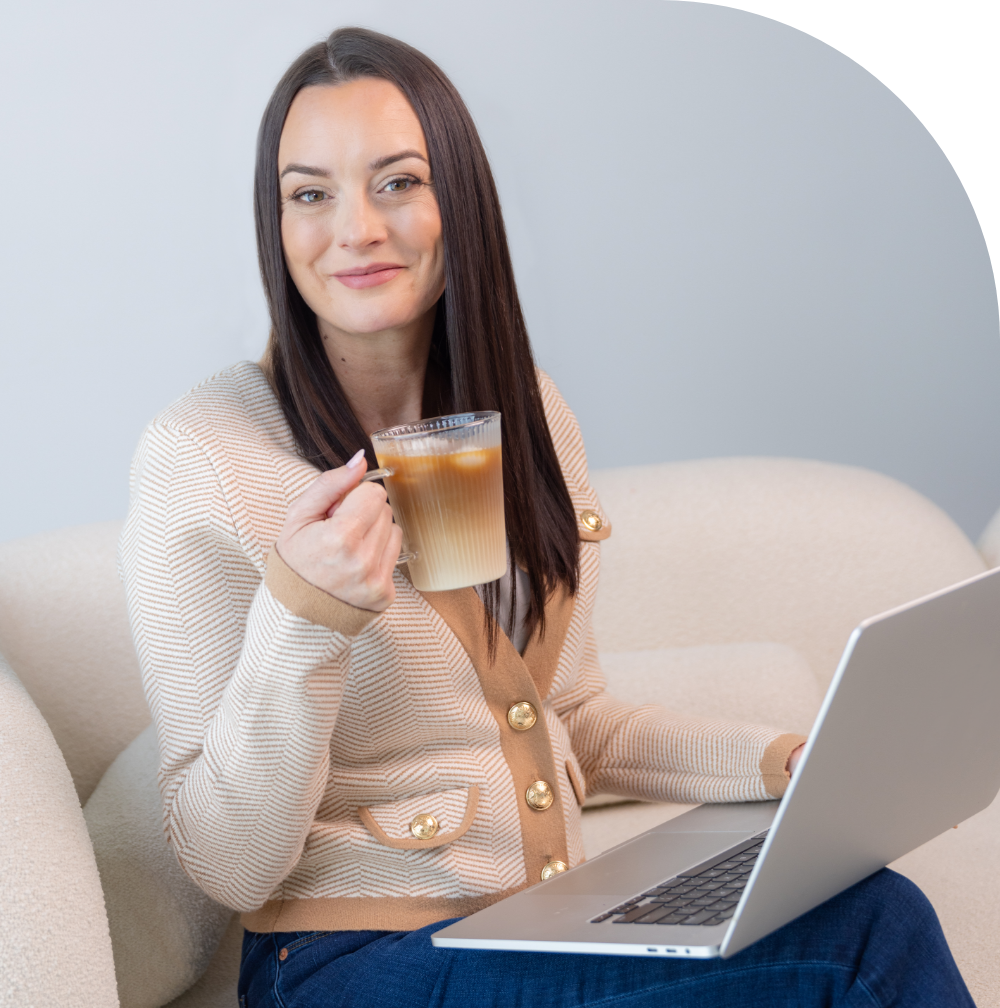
444 478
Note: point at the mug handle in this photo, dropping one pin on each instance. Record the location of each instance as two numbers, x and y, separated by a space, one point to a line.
376 474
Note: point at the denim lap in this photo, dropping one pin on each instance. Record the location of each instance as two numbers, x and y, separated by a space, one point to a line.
877 944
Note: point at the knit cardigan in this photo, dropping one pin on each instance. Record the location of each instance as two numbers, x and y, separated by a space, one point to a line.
300 737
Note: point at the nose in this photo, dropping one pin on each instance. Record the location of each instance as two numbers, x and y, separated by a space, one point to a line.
359 225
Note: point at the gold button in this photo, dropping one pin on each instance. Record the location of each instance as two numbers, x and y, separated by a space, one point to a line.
540 795
592 520
522 716
553 868
424 826
283 954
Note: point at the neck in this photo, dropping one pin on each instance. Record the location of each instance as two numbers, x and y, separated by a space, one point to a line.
382 373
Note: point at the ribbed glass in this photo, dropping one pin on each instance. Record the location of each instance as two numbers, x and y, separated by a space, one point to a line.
446 492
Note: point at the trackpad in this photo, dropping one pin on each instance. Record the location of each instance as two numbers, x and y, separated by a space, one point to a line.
650 858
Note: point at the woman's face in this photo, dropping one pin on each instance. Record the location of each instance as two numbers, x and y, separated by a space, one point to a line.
360 223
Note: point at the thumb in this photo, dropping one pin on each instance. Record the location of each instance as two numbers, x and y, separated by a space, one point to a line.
326 491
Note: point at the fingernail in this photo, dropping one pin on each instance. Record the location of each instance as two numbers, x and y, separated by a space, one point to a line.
357 460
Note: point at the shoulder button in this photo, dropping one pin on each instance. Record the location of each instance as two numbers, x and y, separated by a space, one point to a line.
592 520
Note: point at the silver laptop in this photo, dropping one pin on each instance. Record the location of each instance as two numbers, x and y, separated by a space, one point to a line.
904 747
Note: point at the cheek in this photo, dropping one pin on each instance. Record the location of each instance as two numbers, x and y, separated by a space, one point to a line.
420 229
427 233
304 240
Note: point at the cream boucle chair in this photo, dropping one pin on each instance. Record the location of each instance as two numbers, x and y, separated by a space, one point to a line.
54 943
729 588
64 631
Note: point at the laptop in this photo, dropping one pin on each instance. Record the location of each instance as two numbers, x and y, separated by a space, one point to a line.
905 746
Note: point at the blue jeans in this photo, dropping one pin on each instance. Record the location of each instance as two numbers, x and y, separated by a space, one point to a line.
876 944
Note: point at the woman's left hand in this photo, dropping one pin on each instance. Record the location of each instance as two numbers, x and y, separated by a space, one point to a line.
793 759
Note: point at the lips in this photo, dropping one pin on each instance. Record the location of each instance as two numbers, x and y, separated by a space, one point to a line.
369 276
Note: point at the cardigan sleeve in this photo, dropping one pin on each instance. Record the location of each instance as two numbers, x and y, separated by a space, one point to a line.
648 752
243 687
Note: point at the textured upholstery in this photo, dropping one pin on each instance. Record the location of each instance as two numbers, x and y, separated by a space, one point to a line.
54 944
157 955
217 986
788 551
64 630
728 590
64 623
960 873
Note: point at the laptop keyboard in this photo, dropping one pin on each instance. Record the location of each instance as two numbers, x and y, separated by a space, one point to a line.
706 894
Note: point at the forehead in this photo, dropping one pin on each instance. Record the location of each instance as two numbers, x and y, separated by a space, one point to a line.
359 120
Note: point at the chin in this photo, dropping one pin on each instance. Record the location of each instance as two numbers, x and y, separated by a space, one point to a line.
374 319
368 327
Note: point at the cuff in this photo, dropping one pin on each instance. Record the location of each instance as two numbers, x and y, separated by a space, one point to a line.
772 763
312 603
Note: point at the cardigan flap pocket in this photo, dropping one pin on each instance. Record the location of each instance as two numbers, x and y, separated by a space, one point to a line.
430 820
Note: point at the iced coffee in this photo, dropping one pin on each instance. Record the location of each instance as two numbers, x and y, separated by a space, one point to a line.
445 485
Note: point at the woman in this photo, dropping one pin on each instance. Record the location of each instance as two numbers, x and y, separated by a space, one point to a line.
352 763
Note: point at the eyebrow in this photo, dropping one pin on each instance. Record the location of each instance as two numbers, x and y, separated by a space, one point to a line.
302 169
384 162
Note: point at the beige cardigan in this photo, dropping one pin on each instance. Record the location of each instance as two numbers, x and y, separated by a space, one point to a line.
300 737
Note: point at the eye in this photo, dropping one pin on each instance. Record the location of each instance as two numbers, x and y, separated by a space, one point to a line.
398 185
311 196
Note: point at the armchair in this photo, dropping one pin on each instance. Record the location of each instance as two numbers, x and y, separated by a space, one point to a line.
759 568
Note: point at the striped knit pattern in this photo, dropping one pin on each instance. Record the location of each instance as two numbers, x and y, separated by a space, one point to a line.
274 731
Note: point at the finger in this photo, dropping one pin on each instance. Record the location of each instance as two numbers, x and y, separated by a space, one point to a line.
358 510
326 491
372 544
343 497
356 538
367 555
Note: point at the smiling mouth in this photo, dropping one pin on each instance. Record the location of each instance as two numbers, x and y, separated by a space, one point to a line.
369 276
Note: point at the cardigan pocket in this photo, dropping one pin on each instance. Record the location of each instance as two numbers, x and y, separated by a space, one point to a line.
424 821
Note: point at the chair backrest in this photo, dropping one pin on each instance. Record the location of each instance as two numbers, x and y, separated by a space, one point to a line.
54 943
64 630
788 551
989 542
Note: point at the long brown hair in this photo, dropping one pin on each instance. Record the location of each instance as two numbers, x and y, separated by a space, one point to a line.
480 342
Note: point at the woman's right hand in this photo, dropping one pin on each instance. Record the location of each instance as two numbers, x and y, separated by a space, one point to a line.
340 537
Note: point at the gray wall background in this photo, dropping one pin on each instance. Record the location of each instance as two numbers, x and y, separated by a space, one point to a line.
730 239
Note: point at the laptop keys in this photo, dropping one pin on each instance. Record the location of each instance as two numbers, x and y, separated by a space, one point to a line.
704 895
654 915
635 913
